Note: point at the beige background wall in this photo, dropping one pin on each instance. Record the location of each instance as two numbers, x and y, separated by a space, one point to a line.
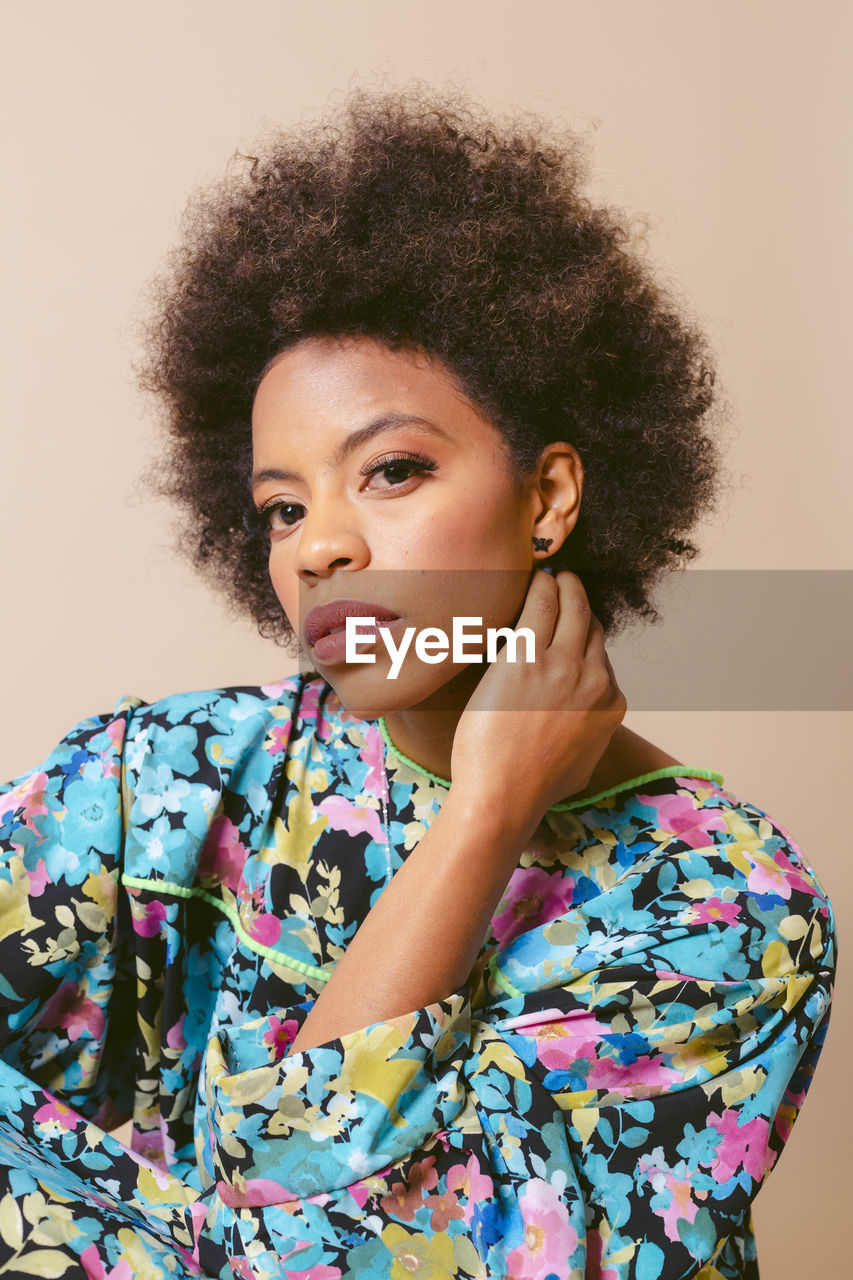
725 120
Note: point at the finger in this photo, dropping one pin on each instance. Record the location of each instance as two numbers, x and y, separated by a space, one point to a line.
595 654
595 632
573 623
541 608
617 693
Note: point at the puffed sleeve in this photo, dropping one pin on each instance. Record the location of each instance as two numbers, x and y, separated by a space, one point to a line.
61 834
608 1105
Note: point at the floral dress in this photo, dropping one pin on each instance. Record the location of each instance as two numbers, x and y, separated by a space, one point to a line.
602 1100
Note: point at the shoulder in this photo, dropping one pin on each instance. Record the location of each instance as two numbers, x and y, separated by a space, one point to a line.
241 715
216 765
680 879
729 868
223 730
691 818
210 734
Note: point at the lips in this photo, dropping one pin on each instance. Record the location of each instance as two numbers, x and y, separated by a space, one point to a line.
329 617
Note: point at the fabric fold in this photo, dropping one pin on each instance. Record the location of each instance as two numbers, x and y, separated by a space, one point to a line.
310 1122
177 883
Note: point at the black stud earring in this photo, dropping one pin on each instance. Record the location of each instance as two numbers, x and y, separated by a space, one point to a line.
542 544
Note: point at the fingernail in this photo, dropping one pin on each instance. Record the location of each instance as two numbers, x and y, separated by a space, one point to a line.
546 568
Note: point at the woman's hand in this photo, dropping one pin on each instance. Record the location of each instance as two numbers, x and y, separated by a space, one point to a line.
532 733
529 736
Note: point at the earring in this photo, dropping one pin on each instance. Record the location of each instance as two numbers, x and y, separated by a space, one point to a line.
542 544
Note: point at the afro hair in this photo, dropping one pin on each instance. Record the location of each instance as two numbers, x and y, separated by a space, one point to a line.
410 217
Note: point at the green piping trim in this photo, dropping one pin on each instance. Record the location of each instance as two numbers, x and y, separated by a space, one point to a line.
269 953
501 981
413 764
668 771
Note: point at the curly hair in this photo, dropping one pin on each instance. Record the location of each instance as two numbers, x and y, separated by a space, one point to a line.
410 218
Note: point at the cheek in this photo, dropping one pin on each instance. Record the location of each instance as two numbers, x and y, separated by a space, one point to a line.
285 584
480 525
491 529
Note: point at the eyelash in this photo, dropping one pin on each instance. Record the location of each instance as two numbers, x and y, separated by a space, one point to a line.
419 463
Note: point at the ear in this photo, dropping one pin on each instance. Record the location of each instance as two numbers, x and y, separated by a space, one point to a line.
557 485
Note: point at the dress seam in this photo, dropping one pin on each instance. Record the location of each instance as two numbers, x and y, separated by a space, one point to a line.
667 771
192 891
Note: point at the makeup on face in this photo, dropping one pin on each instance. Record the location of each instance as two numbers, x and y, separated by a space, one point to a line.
381 483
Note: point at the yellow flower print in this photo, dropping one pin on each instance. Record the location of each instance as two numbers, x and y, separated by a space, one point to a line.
417 1255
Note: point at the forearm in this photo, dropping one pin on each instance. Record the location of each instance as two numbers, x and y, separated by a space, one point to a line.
420 940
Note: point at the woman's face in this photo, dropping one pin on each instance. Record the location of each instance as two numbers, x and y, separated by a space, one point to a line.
381 482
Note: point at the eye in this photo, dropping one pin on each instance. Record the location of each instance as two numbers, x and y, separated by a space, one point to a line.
400 467
277 516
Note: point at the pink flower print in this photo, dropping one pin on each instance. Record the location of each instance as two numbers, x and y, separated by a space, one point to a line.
473 1185
766 877
28 797
279 1035
277 687
563 1041
147 916
278 737
320 1271
72 1010
678 816
532 897
557 1048
373 755
366 1188
675 1181
680 1206
743 1146
793 874
39 879
265 929
352 818
115 731
407 1197
309 708
714 911
223 856
260 925
642 1078
175 1038
360 1193
242 1268
55 1113
334 707
776 874
672 975
549 1237
94 1269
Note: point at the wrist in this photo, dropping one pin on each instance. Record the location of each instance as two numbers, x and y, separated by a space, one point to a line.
492 819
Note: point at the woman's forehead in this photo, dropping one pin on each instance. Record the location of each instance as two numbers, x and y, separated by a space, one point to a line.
353 378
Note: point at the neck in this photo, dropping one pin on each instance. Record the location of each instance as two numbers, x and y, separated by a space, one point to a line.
425 732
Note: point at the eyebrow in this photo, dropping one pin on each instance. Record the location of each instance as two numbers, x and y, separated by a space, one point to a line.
385 422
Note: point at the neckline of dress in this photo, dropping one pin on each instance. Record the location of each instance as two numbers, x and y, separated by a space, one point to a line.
667 771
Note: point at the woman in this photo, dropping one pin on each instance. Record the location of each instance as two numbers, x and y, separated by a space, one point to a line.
439 973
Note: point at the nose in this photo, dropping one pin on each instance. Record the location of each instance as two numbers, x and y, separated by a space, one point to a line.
330 539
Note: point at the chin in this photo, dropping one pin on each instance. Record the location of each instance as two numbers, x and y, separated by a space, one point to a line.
368 693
